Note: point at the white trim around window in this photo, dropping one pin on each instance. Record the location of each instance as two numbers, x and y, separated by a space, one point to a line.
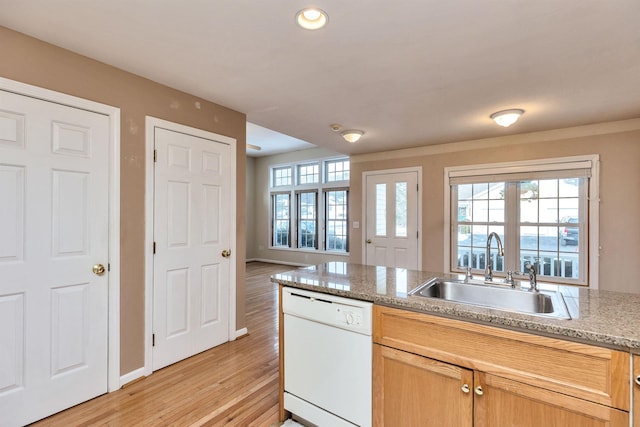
532 169
315 181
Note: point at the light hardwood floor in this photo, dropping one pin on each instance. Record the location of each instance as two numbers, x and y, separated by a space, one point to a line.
234 384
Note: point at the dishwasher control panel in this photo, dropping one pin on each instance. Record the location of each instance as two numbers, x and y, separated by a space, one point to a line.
345 313
350 317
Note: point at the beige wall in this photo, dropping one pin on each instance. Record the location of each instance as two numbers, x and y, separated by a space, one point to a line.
261 238
619 184
251 208
37 63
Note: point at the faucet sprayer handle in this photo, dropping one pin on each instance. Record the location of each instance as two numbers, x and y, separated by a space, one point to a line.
532 269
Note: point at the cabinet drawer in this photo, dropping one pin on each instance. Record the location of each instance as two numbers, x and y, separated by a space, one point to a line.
585 371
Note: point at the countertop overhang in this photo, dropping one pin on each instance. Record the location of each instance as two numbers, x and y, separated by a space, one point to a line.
605 318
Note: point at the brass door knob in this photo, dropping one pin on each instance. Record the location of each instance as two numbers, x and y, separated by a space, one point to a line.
479 391
368 240
226 253
99 269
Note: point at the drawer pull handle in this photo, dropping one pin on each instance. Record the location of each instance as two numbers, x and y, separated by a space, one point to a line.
479 391
465 388
638 380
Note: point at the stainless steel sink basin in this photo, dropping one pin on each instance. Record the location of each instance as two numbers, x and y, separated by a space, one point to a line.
545 303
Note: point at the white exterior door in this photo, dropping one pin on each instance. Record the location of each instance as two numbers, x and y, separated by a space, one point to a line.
54 223
192 210
391 219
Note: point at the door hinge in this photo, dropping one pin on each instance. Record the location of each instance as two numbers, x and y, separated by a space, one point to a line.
417 187
154 247
155 156
417 234
153 340
108 266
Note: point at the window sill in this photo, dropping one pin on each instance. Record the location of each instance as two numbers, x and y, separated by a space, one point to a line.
542 280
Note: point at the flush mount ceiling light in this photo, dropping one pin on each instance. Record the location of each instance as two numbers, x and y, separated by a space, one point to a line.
352 135
507 117
311 18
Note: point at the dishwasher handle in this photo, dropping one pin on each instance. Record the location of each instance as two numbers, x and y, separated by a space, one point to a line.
310 298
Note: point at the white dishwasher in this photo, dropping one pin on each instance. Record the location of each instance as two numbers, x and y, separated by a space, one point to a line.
327 358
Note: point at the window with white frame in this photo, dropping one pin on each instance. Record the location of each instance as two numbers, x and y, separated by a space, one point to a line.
336 205
281 177
280 212
337 170
308 219
309 210
308 173
540 210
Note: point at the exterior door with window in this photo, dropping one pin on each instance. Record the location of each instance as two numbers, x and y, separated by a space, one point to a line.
391 219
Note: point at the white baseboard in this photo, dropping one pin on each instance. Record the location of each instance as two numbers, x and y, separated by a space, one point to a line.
132 376
275 261
241 332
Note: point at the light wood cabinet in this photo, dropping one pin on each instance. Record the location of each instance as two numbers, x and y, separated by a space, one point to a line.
412 390
519 379
636 391
506 402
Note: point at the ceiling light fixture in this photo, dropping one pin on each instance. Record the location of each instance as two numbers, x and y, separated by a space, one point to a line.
312 18
352 135
506 118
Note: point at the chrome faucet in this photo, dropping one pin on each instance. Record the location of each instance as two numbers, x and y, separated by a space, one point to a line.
488 273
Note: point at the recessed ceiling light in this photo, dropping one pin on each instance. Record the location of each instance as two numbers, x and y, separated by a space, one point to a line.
311 18
507 117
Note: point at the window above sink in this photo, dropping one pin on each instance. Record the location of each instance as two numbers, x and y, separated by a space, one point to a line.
540 209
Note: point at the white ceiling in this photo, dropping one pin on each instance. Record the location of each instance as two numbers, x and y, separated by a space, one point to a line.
271 142
408 73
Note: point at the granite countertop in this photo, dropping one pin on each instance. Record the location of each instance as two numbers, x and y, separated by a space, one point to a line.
606 318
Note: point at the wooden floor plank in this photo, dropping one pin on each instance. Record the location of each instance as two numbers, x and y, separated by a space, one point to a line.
233 384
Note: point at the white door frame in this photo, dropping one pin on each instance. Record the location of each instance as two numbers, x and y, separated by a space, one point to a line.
150 124
113 368
365 175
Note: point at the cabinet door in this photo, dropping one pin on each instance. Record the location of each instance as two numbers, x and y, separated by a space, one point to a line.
411 390
636 391
588 372
502 402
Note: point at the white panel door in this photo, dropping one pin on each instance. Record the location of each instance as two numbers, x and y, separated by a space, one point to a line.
391 217
54 192
191 231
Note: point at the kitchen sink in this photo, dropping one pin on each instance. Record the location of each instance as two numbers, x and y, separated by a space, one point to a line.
544 303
